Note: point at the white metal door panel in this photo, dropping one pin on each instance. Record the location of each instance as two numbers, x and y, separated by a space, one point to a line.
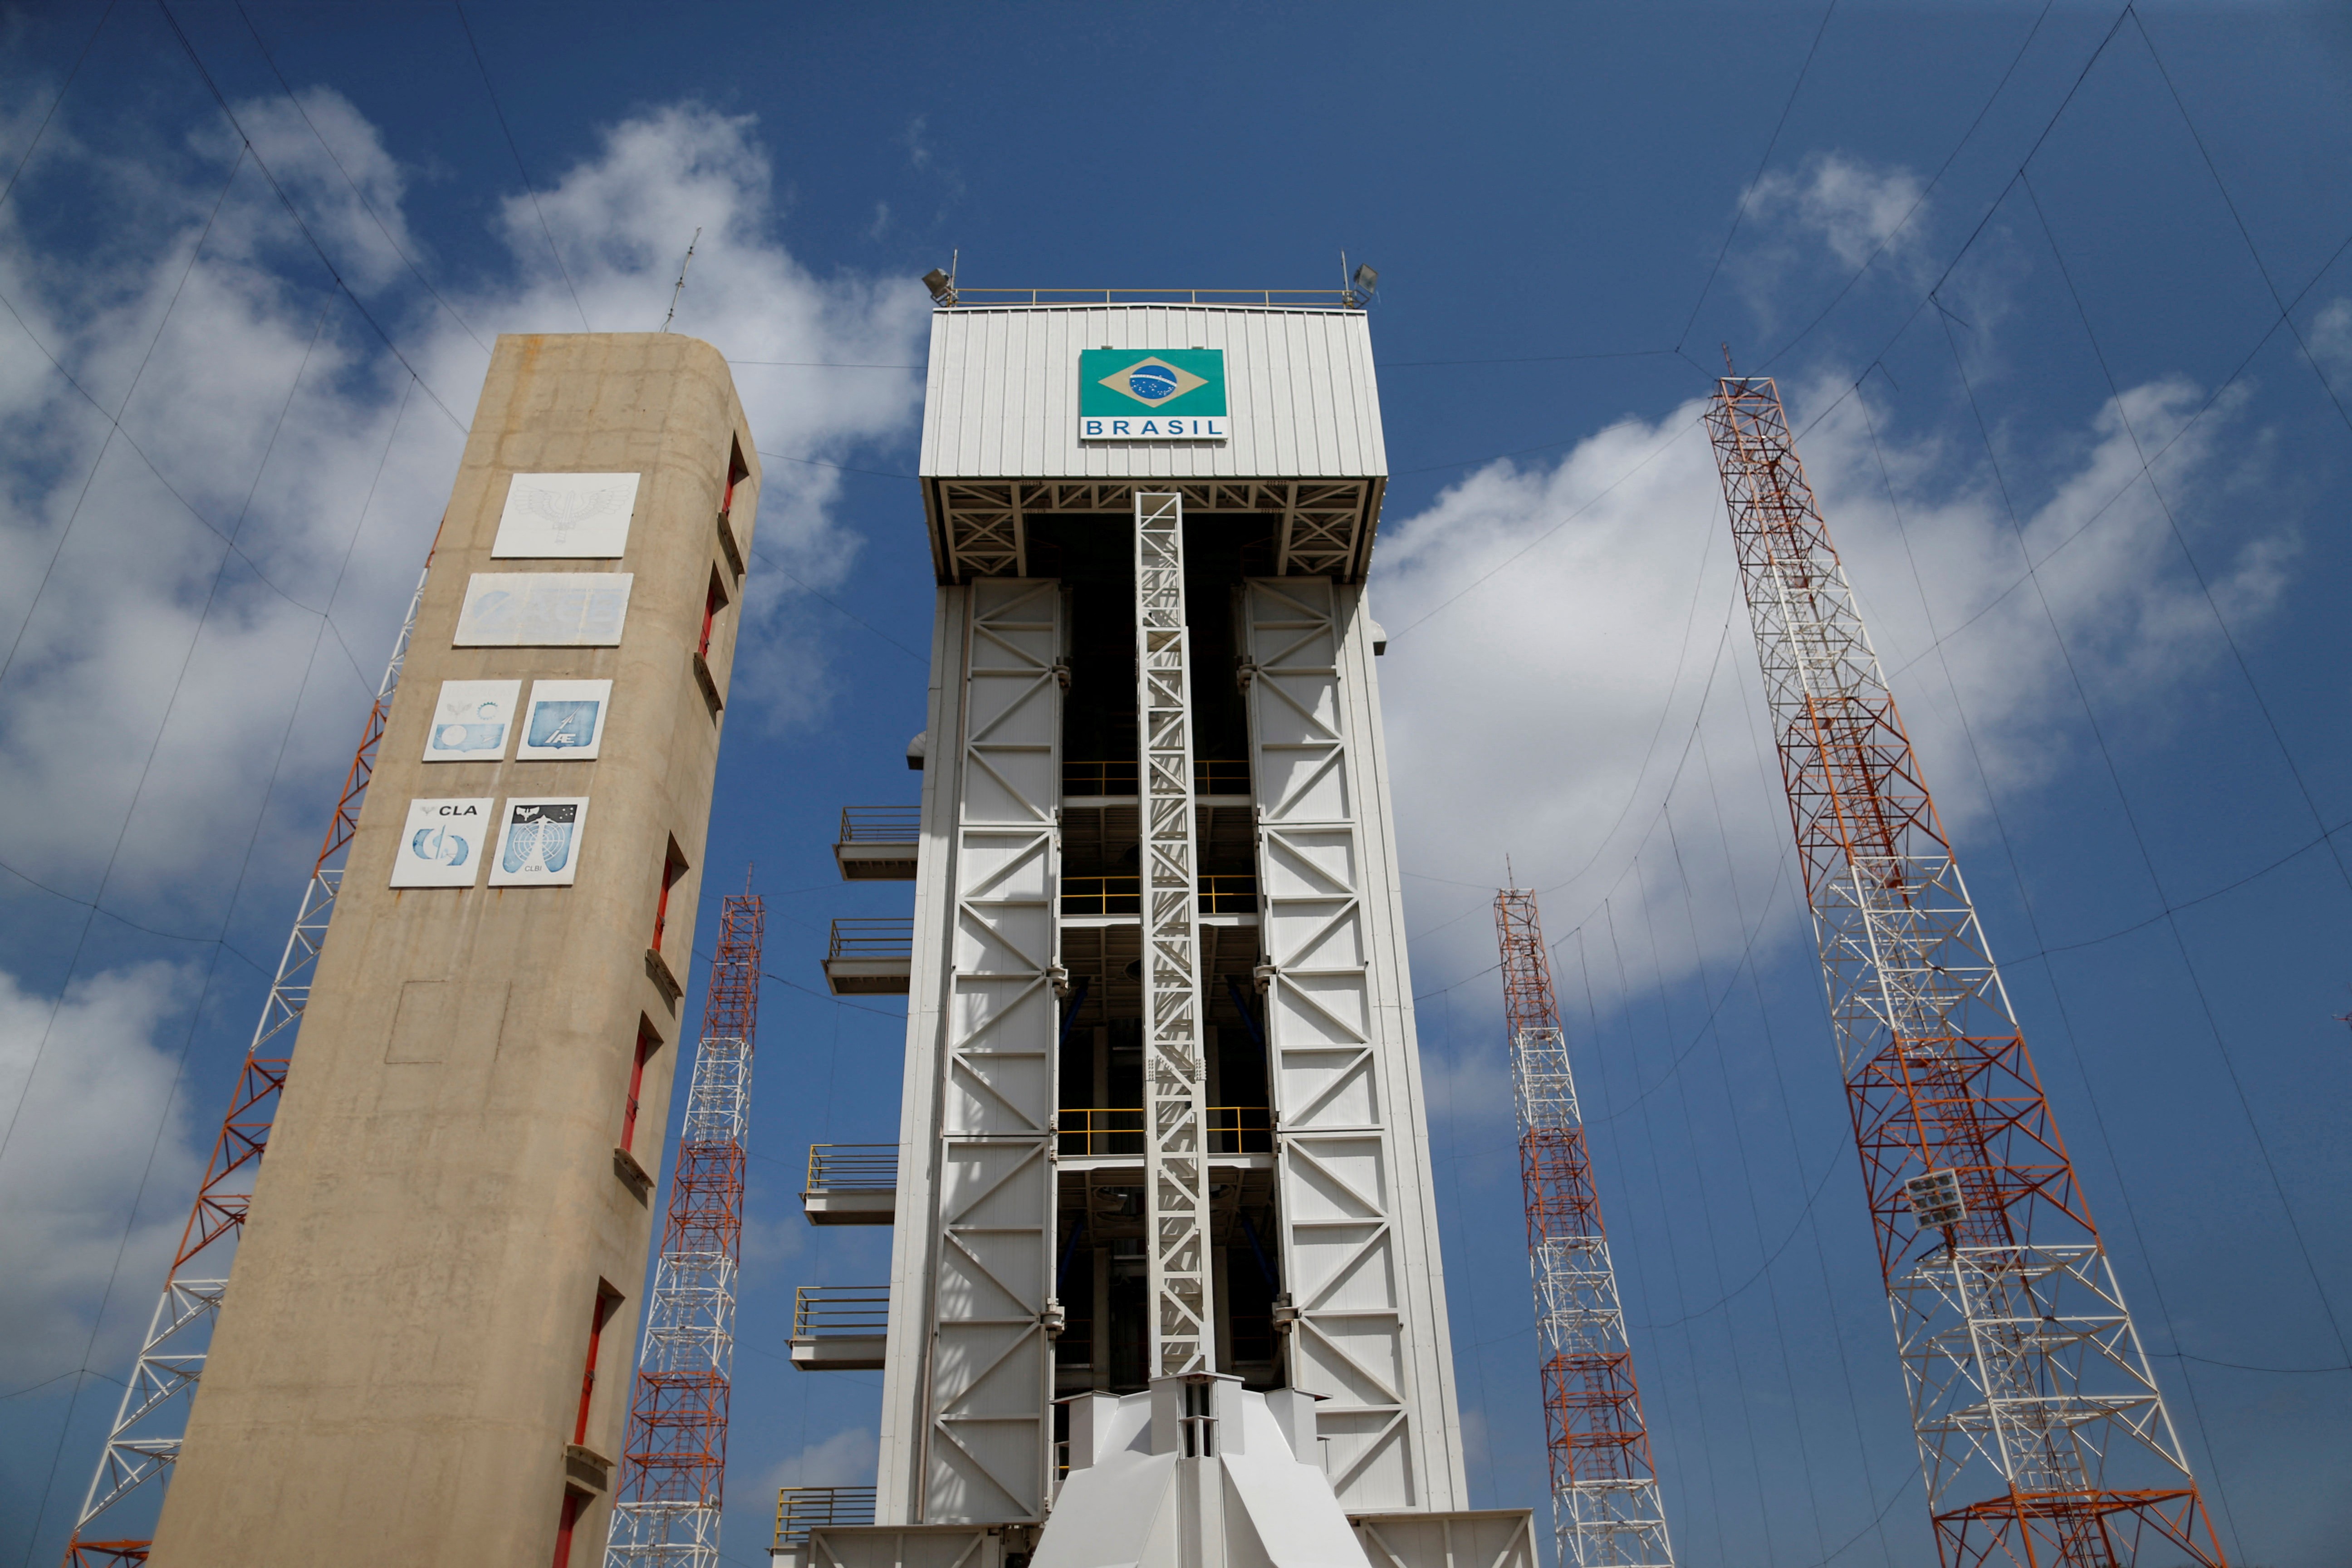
989 1363
1334 1149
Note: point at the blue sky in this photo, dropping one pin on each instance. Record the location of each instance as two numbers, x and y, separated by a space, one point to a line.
2140 744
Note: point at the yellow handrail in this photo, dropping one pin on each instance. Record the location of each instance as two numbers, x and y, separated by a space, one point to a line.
1221 893
1118 1130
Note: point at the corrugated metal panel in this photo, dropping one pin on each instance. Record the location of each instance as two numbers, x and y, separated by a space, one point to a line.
1003 399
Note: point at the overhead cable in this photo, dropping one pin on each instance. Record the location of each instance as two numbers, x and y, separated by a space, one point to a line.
529 189
292 211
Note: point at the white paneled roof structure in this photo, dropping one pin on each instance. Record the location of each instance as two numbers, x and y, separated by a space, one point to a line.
1000 428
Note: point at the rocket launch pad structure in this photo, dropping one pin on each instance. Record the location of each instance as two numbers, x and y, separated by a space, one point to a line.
1165 1284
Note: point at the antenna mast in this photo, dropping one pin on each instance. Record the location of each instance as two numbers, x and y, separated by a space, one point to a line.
680 289
675 1462
1605 1508
2041 1428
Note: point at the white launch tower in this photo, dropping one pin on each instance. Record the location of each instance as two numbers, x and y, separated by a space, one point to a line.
1165 1286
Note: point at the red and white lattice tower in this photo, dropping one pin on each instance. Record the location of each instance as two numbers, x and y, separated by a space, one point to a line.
675 1465
144 1441
1605 1508
2042 1431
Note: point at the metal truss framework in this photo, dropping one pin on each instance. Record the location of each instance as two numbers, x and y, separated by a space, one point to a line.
1606 1511
675 1465
2029 1389
1325 522
1336 1151
1175 1069
988 1425
144 1440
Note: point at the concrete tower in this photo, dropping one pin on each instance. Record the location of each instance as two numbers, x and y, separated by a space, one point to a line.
421 1354
1165 1284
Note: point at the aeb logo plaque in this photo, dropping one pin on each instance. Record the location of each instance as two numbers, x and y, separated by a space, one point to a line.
1155 395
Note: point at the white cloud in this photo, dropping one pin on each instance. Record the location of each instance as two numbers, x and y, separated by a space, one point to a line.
334 165
75 1161
2330 337
1845 205
1565 692
770 1242
102 653
145 670
1805 234
844 1459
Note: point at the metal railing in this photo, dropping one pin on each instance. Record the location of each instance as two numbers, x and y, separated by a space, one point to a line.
865 937
1311 299
1102 895
1118 1130
1229 893
1241 1129
1117 776
799 1510
1221 776
1221 893
822 1310
860 1167
1098 1130
881 824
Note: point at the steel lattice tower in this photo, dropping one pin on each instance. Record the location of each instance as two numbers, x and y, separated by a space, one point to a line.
143 1443
1184 1317
1606 1511
675 1463
2042 1434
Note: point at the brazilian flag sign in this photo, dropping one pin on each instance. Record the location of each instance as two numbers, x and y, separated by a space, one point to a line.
1153 395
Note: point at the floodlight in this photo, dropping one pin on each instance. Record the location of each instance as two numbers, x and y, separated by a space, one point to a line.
942 285
1365 280
1936 1199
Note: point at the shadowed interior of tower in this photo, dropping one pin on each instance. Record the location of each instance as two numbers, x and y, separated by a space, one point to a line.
1100 1140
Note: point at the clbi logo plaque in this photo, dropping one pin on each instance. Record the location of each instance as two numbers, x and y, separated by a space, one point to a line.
1158 395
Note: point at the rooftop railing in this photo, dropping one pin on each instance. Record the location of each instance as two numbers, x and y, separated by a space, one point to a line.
1307 299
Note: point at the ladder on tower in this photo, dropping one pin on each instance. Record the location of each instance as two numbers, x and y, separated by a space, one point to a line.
2042 1434
674 1467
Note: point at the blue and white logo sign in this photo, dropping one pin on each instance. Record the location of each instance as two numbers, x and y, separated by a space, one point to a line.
1156 395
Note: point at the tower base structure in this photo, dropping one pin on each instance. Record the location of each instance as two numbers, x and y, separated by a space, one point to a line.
1196 1471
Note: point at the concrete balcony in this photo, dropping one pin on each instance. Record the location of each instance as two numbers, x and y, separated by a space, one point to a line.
851 1183
870 957
840 1328
879 842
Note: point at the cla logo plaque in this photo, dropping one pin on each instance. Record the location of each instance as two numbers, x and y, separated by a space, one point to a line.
1157 394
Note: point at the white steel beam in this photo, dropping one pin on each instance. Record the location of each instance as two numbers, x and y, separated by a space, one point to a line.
988 1223
1176 1174
1367 1325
